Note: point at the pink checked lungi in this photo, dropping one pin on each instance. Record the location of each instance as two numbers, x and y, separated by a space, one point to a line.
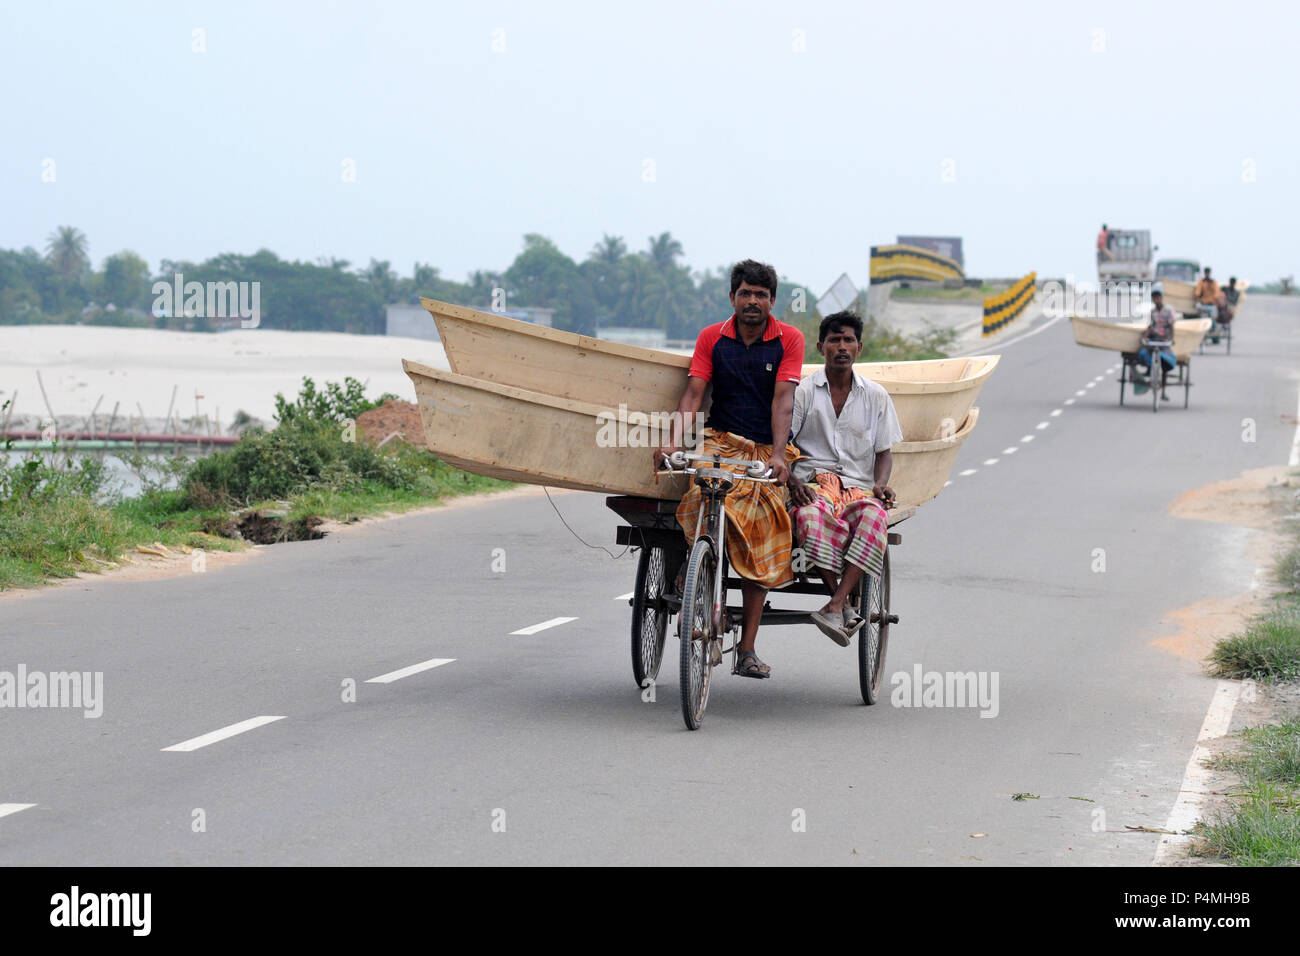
843 524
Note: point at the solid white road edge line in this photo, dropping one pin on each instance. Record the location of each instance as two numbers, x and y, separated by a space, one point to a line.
1009 342
8 808
194 743
553 622
1196 779
413 669
1295 442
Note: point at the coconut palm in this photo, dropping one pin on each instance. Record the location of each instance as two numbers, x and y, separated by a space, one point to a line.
610 249
664 250
66 252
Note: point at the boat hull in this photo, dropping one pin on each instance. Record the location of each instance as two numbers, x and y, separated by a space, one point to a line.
510 433
929 396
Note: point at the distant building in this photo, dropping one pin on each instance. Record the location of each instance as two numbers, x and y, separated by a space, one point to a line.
415 322
947 246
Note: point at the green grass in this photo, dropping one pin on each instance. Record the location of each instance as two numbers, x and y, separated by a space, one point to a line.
56 521
1262 830
1267 650
964 294
882 344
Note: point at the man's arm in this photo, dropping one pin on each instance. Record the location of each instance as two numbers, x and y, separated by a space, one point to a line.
690 402
782 416
880 476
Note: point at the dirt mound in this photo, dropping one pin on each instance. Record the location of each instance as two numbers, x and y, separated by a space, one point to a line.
392 417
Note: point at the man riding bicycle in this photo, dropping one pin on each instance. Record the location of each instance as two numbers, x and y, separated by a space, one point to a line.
754 362
1160 329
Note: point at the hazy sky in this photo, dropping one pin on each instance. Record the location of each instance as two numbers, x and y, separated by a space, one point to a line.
1048 117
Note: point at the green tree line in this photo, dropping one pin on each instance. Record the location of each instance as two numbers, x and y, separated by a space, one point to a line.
612 286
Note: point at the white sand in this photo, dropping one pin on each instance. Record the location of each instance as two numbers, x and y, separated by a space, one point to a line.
242 369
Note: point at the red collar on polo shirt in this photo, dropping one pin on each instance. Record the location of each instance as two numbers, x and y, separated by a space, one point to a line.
772 330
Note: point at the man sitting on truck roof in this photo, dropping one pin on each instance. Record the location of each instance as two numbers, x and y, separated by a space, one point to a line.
1103 244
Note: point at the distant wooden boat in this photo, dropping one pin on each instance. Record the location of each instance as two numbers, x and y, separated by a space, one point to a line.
1187 336
1100 334
518 435
929 396
1180 295
1127 336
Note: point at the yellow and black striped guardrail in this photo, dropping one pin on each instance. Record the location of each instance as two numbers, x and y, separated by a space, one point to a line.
898 261
1001 309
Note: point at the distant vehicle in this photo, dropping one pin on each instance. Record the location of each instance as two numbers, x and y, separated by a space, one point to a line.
1129 257
1184 270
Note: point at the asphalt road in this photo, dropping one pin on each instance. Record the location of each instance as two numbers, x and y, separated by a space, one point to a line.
539 748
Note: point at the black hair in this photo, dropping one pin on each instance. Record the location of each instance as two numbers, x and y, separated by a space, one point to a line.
755 273
837 323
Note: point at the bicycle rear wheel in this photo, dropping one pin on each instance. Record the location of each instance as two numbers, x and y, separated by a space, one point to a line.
695 628
649 615
873 638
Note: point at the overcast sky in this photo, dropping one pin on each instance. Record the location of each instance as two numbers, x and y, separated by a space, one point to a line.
799 133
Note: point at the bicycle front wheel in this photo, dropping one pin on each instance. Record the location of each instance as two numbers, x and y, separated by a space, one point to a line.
695 628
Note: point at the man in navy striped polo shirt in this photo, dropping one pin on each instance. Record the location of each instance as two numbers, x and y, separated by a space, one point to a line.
754 362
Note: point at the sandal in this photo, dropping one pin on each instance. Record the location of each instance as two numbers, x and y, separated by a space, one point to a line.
852 621
748 665
829 623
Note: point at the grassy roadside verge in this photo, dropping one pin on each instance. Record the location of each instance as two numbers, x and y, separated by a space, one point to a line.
1261 826
56 520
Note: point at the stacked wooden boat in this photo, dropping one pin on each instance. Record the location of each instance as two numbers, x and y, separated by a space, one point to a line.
542 406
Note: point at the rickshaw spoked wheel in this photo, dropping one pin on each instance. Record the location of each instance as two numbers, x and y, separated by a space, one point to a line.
696 627
873 638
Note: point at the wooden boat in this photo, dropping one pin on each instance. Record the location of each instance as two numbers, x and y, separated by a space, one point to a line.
1100 334
1187 336
518 435
930 396
500 431
921 468
495 348
1180 295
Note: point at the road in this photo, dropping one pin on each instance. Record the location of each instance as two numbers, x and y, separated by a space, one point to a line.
538 748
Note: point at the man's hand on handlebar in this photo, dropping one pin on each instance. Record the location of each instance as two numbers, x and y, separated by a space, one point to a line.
661 458
780 470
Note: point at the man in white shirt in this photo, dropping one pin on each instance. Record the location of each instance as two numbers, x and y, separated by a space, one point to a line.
845 426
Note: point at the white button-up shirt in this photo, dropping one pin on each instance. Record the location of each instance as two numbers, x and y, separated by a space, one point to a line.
846 444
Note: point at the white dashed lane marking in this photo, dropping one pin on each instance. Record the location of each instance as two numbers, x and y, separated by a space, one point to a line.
413 669
194 743
968 471
553 622
8 808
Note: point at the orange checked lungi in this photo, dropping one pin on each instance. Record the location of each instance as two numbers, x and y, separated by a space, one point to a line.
758 522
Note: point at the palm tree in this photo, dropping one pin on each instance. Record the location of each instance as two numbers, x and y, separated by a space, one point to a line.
610 249
382 279
66 252
664 250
